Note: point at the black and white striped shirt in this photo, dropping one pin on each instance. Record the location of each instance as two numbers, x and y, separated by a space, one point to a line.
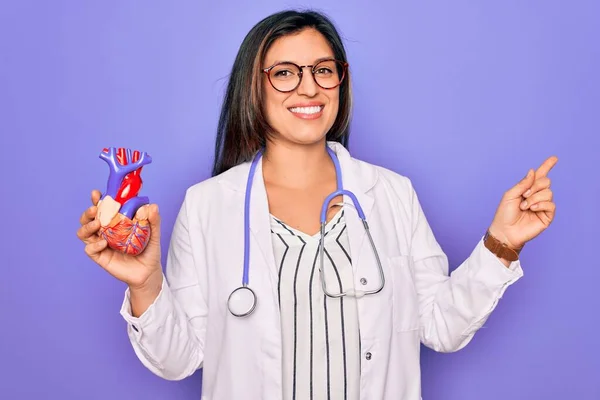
321 347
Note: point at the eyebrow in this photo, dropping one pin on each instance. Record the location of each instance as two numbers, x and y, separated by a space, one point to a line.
318 60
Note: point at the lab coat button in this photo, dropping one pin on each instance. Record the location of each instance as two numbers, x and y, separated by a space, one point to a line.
363 281
368 355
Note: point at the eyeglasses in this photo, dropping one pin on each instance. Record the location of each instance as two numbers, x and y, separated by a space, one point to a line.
286 76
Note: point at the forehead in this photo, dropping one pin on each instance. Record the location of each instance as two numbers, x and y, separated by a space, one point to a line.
302 48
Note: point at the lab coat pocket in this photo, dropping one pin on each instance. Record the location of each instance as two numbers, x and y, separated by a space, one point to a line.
404 293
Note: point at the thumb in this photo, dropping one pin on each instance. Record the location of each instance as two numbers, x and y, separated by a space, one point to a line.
521 187
150 257
154 220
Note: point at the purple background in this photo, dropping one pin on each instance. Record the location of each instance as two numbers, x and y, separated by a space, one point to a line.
462 98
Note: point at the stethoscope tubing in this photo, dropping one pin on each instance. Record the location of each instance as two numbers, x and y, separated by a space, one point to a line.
236 295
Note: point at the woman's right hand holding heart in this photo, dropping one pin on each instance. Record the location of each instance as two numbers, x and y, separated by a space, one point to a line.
142 273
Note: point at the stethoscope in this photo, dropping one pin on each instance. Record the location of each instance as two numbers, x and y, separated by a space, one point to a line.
242 301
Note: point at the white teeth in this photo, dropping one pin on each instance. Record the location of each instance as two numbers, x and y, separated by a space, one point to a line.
306 110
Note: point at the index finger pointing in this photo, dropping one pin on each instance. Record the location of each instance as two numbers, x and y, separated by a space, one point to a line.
546 167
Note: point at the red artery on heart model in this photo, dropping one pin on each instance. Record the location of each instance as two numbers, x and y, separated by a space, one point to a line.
132 183
124 223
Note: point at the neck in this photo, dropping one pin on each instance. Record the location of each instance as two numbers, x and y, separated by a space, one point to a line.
297 166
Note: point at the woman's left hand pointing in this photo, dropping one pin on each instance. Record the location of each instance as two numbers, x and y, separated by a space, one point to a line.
526 209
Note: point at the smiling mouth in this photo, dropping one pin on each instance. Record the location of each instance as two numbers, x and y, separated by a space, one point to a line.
312 110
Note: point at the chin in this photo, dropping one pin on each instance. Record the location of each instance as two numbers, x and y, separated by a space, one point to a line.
307 133
307 138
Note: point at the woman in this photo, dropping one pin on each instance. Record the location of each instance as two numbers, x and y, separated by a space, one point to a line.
289 100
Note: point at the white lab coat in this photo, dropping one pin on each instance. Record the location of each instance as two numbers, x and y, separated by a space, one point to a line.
189 325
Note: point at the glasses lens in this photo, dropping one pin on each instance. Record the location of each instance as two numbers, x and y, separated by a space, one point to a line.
329 73
284 77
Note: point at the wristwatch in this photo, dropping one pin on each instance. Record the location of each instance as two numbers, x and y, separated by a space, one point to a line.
500 249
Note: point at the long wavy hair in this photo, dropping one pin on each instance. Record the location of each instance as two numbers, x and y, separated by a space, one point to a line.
243 127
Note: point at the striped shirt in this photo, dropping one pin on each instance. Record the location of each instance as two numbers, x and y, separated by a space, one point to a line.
321 346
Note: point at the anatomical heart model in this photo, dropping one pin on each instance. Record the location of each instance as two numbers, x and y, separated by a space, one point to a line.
124 229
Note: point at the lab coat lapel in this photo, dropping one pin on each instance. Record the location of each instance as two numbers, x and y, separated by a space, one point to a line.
358 183
260 226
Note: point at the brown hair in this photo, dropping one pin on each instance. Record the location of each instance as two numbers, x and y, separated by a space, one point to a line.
243 127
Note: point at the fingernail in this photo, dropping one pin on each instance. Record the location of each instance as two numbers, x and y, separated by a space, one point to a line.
527 193
524 204
533 207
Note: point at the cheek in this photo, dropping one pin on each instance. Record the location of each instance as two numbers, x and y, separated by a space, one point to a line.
334 105
273 107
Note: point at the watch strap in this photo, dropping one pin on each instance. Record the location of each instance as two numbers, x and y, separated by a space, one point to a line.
500 249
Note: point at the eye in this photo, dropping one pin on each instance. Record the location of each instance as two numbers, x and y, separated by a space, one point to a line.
323 71
283 73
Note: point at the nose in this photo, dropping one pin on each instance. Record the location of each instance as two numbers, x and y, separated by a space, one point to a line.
308 86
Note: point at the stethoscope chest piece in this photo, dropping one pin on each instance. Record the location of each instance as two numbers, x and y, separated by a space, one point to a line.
242 301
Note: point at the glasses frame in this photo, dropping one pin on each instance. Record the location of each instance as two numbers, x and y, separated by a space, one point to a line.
301 73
